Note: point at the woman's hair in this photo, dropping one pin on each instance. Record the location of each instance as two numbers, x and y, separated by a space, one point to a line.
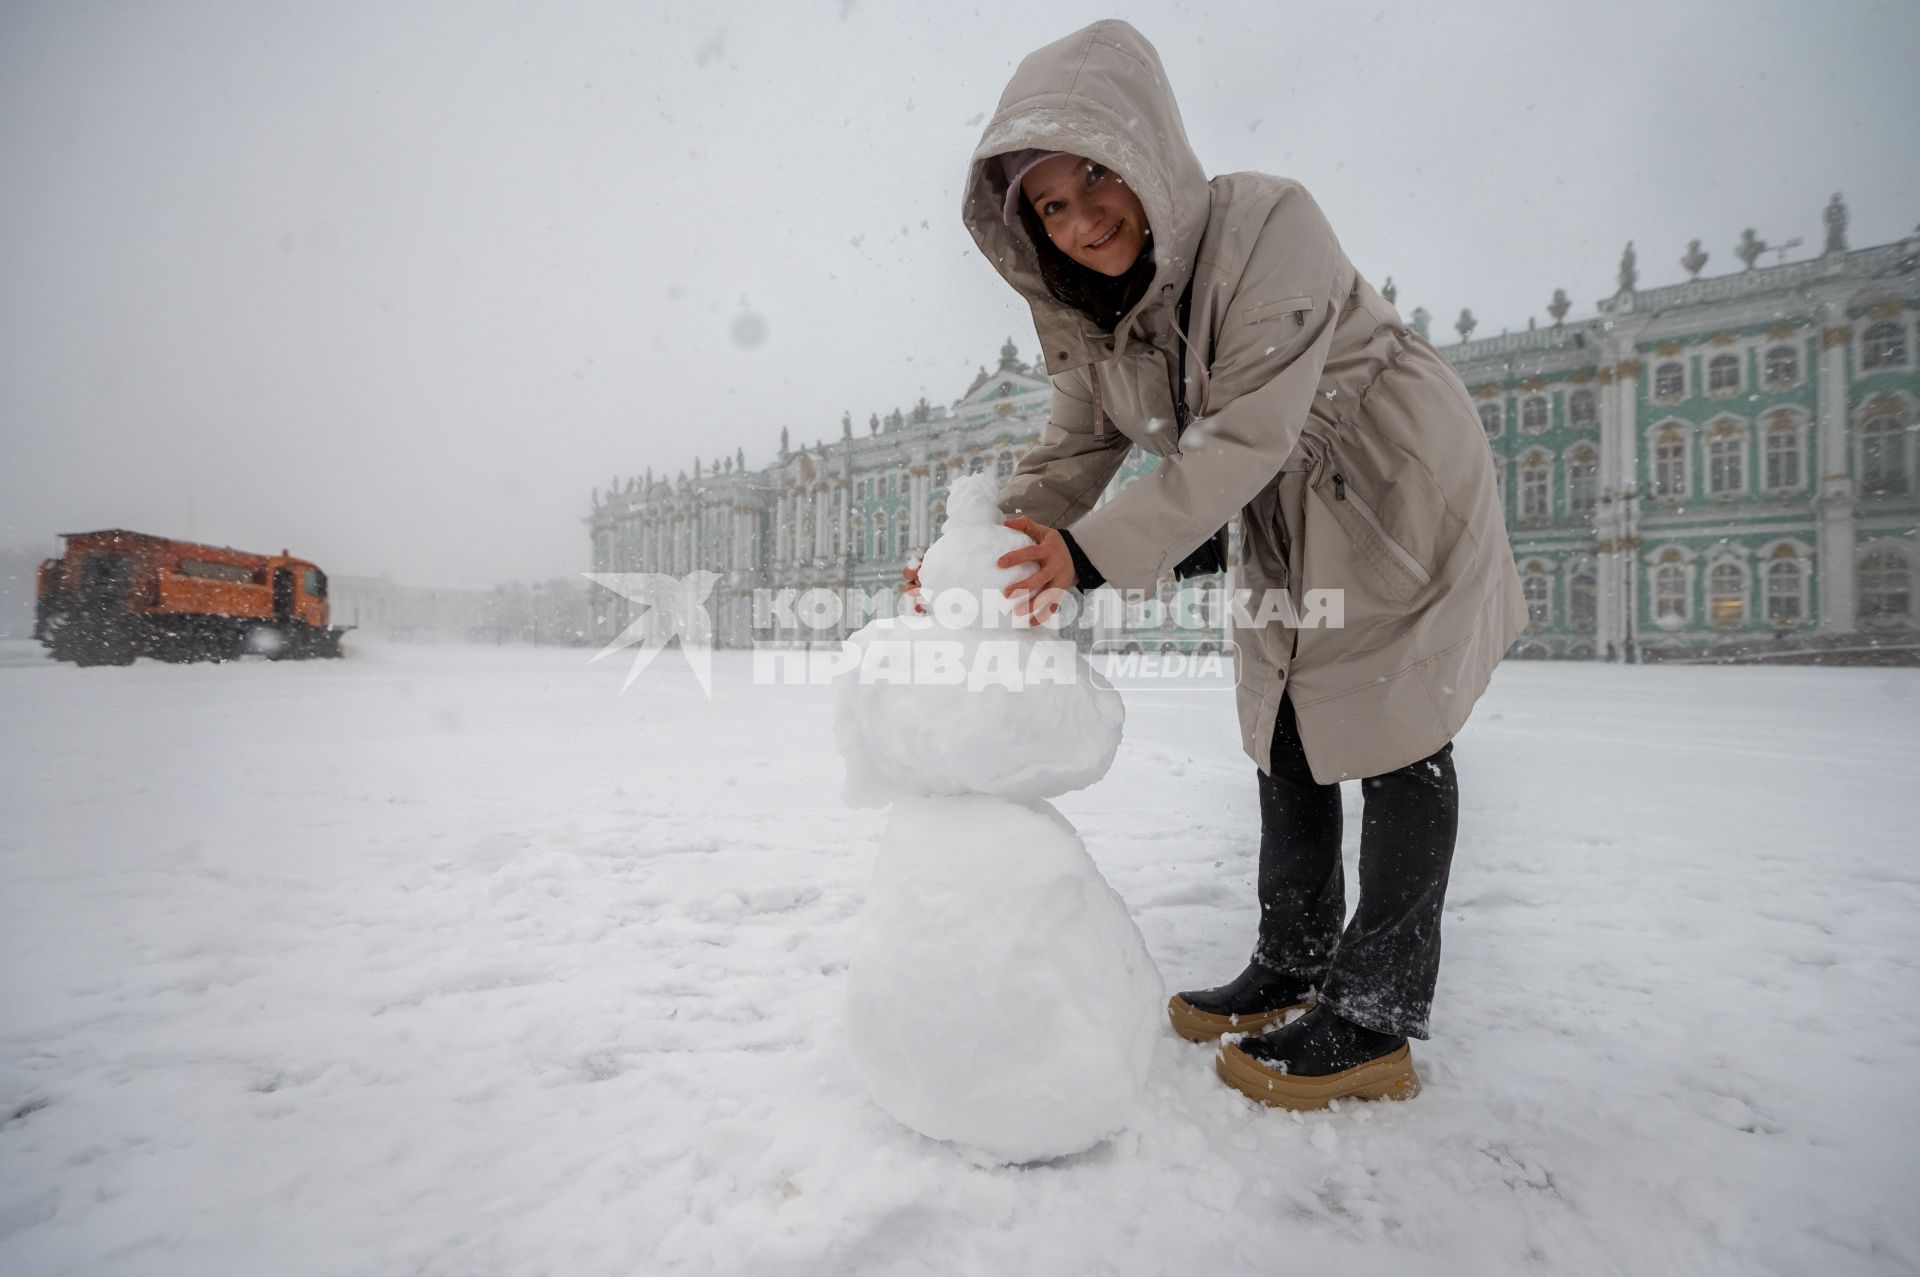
1102 298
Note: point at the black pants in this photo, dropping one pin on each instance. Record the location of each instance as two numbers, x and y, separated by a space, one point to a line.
1380 971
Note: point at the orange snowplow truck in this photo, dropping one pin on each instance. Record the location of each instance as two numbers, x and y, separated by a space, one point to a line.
117 595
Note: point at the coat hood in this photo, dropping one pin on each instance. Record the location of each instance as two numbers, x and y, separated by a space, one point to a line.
1100 93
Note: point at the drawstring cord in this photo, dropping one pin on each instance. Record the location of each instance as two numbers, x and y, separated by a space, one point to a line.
1206 380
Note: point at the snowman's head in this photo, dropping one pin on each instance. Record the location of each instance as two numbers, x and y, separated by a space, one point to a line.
960 571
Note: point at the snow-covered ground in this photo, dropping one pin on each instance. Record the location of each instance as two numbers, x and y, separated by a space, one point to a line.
456 961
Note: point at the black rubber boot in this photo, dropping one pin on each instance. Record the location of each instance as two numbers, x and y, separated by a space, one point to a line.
1251 1002
1317 1059
1320 1043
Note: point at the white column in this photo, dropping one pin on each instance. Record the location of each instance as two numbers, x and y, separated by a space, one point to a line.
1616 430
1626 390
845 515
1833 526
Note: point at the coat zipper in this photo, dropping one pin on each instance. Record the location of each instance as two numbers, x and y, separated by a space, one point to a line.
1373 521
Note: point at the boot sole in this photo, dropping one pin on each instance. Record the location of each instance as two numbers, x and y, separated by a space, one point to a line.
1391 1077
1196 1025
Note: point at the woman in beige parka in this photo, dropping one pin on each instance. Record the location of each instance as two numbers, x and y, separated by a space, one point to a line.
1353 456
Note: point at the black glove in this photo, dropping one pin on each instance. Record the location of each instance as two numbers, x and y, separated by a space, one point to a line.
1204 561
1087 578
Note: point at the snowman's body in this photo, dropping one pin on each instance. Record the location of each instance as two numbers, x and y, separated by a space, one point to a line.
1000 995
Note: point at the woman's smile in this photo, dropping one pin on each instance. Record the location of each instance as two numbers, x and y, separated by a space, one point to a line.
1108 238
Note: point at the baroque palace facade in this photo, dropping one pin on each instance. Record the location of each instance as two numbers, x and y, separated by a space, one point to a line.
1724 467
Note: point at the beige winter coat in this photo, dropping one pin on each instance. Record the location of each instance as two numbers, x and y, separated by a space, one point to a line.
1349 446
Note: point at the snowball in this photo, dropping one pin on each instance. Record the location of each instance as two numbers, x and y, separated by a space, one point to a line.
1020 715
1000 996
965 556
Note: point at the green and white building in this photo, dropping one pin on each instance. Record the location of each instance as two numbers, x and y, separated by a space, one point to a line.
1720 468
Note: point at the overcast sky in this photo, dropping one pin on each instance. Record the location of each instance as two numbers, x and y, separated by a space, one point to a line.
397 285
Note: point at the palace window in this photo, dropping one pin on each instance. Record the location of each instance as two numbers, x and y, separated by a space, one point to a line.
940 474
1883 452
1583 480
939 517
859 539
1583 601
1536 500
975 465
1885 583
1786 587
1538 589
1885 346
1670 478
1490 418
1727 462
1782 366
1003 467
1723 375
1727 595
1670 381
1670 593
1583 410
1533 415
1783 452
901 534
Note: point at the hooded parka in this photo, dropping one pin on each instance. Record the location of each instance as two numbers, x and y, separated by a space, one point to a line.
1346 443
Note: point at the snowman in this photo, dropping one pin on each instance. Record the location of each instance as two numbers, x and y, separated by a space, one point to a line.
1000 996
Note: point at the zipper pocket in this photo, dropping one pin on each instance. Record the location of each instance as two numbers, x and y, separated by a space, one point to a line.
1295 306
1399 551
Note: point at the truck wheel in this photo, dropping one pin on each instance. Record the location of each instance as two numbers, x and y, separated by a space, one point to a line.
109 644
55 636
264 640
119 645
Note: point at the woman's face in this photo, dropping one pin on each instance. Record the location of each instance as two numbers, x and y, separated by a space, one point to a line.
1090 212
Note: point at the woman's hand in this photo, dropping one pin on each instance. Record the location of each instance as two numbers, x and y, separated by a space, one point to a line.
1038 594
911 575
